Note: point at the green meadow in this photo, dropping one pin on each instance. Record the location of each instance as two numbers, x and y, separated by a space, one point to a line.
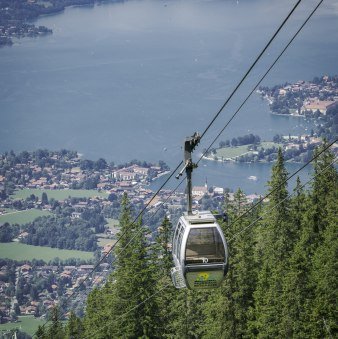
18 251
112 223
105 241
27 324
233 152
22 217
58 194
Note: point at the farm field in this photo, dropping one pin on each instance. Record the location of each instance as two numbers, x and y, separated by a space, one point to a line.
58 194
233 152
112 223
105 241
27 324
22 217
18 251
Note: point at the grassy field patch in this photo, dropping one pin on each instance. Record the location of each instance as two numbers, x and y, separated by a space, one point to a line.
233 152
113 223
105 241
18 251
58 194
27 324
270 144
22 217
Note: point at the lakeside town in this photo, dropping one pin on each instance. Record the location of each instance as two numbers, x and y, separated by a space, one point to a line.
73 204
303 98
315 101
16 16
83 196
295 148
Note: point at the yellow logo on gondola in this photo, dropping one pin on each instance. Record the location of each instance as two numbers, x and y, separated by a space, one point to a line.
203 276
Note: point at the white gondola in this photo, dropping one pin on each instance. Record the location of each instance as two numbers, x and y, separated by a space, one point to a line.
199 251
199 248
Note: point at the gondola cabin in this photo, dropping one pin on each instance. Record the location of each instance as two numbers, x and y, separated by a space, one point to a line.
199 251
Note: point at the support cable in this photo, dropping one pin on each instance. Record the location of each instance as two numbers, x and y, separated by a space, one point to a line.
251 67
231 239
261 79
213 120
111 249
130 310
205 131
287 197
284 182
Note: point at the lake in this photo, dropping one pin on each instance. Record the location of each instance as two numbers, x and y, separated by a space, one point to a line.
131 80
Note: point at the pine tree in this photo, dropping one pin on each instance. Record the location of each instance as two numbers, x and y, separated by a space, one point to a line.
324 276
228 309
325 178
294 283
126 308
299 285
275 249
316 222
165 299
297 210
44 198
163 239
74 328
97 315
55 329
41 333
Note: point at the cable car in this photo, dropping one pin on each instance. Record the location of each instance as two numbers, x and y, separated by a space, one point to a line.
199 248
199 251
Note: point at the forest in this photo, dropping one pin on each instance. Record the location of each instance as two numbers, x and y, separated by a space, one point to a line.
282 279
62 232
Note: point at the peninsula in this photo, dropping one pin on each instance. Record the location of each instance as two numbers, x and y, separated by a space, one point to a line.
303 98
16 16
315 100
295 149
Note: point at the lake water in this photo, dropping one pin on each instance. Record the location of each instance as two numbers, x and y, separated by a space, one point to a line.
133 79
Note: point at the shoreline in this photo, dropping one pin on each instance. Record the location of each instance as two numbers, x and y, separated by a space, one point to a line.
236 161
288 115
251 162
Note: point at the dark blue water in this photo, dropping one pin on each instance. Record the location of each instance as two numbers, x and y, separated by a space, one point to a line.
131 80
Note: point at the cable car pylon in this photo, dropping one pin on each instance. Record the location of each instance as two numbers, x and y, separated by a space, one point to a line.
199 248
189 146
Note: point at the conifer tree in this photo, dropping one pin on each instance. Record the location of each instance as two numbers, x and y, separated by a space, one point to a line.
178 318
97 314
179 309
324 276
123 299
275 249
41 333
297 210
227 309
315 224
166 299
55 329
293 281
74 328
322 310
163 239
325 178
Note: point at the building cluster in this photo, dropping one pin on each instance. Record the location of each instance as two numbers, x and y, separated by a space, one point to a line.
298 142
318 96
16 17
70 175
40 288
